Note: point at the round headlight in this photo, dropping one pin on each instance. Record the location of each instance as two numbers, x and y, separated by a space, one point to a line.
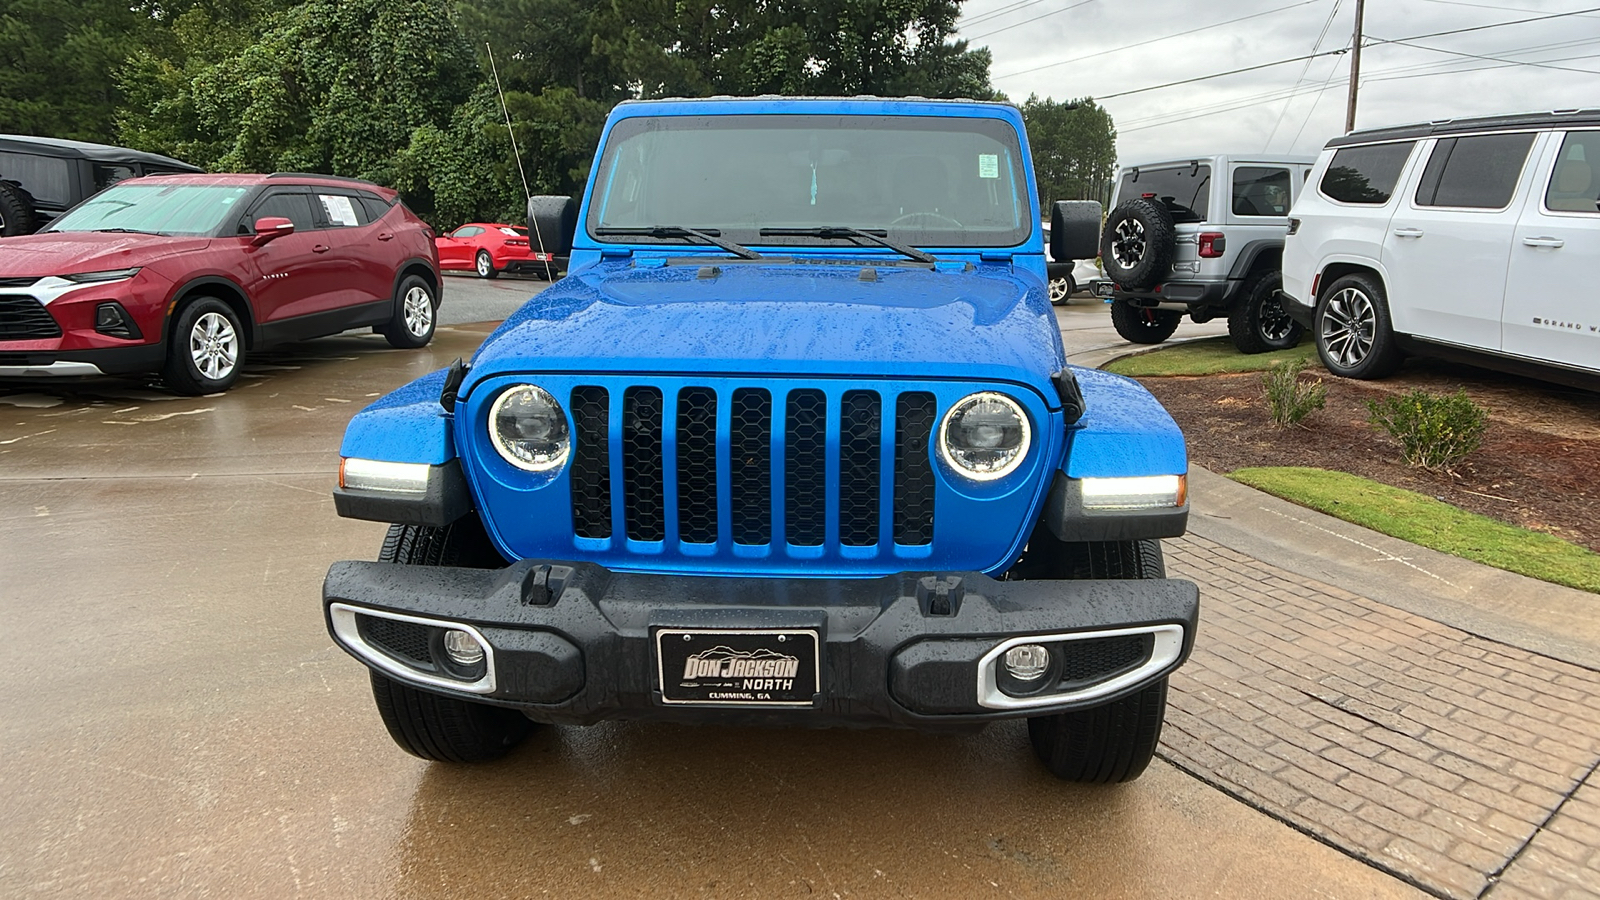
529 428
985 436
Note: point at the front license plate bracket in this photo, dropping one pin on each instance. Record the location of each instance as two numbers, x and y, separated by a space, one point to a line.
738 667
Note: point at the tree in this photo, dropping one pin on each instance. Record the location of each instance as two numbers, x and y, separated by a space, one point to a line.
57 62
1074 149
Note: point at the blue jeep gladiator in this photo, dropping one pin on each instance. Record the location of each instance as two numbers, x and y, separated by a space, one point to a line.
794 442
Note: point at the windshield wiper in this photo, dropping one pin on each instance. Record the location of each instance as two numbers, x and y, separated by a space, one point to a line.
832 232
123 231
708 235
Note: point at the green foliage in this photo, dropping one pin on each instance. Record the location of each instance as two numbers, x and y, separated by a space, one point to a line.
1435 431
1208 356
1290 399
57 80
1074 149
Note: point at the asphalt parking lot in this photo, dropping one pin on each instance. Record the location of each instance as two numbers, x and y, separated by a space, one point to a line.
179 724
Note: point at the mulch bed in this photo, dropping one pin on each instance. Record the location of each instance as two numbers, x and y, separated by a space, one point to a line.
1539 466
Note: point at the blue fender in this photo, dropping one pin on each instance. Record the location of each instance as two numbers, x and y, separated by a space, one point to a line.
406 425
1124 431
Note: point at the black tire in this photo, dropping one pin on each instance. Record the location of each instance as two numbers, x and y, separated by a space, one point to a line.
205 349
1114 742
1258 323
17 215
1355 337
433 726
1137 244
416 308
1141 325
483 264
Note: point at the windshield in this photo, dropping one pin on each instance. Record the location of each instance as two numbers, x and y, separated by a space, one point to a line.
940 181
1185 192
156 208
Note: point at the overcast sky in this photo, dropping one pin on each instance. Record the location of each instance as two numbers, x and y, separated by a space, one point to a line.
1073 48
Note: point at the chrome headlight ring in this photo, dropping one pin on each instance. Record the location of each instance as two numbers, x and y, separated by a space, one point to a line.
529 429
985 436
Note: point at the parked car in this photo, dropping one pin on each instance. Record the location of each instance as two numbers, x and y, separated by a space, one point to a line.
1069 276
1470 239
489 249
763 457
185 274
1202 237
41 178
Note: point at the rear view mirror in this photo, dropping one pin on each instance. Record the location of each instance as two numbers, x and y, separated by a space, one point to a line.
1074 230
552 221
270 228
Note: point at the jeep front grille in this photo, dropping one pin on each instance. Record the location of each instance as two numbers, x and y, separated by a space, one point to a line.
24 318
704 463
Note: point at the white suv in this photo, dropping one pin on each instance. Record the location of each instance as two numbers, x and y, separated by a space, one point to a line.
1474 239
1203 237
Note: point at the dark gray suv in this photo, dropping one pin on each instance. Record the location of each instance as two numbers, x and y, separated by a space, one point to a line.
41 178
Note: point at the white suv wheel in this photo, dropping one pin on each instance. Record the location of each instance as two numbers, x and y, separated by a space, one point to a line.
1348 325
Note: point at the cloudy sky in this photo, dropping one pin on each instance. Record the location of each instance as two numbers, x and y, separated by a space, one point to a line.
1099 48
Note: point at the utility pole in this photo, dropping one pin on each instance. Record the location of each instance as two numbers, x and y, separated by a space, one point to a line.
1355 71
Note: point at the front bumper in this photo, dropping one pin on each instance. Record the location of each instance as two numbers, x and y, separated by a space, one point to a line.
573 643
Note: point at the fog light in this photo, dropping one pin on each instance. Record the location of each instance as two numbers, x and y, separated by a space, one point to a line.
1027 662
462 648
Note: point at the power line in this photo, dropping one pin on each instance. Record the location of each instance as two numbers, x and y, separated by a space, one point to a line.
1496 7
1540 65
1315 46
1034 19
1560 15
1155 40
1004 10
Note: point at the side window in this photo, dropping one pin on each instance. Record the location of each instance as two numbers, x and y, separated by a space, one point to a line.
107 174
1260 191
47 178
341 210
1575 185
285 205
375 207
1365 174
467 231
1474 172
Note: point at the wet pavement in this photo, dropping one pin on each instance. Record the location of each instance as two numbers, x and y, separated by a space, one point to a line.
178 724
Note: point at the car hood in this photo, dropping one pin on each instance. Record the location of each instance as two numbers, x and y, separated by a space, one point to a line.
808 317
71 252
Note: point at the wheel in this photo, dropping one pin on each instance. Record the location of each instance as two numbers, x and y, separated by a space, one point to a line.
205 351
432 726
923 219
1257 323
1354 336
484 265
1060 290
17 215
1137 245
1116 741
414 308
1141 325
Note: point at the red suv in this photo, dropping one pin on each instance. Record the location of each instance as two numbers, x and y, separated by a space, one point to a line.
183 274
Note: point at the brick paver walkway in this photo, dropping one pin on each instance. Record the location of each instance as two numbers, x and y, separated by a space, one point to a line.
1447 759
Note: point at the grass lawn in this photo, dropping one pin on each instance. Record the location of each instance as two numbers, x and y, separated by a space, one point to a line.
1423 520
1211 356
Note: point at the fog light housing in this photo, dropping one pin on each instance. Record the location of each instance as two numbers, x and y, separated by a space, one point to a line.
112 319
462 648
1027 662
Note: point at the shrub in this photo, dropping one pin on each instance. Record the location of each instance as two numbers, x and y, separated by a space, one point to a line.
1289 400
1435 431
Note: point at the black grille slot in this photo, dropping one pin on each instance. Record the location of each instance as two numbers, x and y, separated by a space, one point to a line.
805 469
25 317
406 640
591 463
1097 659
643 474
750 449
697 465
913 469
26 359
860 442
16 282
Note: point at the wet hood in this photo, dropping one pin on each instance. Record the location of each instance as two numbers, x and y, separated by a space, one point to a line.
69 253
806 318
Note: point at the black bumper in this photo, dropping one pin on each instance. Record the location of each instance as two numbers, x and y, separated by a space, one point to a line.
573 643
1192 293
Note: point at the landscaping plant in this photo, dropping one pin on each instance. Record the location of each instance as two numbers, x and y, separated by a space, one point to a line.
1435 431
1290 400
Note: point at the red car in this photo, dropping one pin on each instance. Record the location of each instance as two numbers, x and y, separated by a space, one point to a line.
184 274
489 249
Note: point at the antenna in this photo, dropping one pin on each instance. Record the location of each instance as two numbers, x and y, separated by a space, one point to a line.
527 195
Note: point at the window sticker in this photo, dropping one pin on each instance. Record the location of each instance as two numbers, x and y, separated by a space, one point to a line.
340 210
988 165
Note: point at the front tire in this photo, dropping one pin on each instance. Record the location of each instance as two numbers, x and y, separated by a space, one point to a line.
483 264
1116 741
1258 322
1141 325
206 349
414 315
1355 337
433 726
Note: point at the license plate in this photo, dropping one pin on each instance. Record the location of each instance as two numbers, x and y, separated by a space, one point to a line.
754 667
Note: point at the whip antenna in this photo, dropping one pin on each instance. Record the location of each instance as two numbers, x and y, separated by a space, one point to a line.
527 195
